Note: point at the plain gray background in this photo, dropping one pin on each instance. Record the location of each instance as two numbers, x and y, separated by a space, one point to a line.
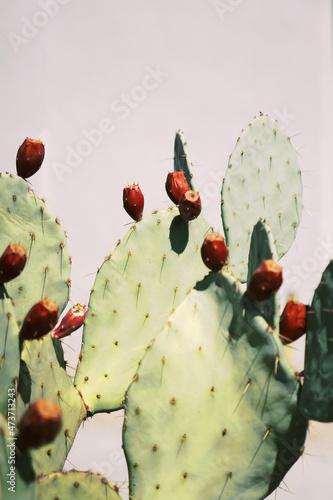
140 70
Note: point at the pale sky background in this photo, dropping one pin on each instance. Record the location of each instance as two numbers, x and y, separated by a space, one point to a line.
66 65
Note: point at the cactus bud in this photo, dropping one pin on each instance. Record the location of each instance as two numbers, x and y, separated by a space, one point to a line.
176 185
41 319
71 321
293 321
133 201
214 251
29 158
190 205
265 281
40 423
12 262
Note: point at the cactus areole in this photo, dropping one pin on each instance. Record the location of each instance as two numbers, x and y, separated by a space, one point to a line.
29 158
133 201
190 205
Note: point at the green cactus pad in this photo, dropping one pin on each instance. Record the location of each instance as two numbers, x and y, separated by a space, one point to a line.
10 352
43 375
25 220
17 463
263 247
182 160
263 180
316 401
76 485
151 270
212 412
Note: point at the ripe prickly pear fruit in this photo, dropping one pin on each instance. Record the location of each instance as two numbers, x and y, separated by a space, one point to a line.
190 205
71 321
214 251
40 424
293 321
41 319
29 158
12 262
133 201
176 185
265 281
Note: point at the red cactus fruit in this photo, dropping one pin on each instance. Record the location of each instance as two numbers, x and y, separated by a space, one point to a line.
12 262
133 201
190 205
29 158
176 185
41 319
40 423
214 251
71 321
265 281
293 321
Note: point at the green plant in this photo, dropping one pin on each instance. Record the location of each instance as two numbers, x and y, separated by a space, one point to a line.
213 408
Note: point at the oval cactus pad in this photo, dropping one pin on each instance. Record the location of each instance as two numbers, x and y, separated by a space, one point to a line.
227 429
157 262
263 181
25 220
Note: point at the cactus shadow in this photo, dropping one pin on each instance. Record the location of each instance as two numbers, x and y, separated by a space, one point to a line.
178 235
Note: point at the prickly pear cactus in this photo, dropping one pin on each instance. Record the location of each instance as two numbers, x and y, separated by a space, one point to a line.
43 375
76 485
9 351
263 180
182 161
316 401
222 430
151 270
24 219
263 247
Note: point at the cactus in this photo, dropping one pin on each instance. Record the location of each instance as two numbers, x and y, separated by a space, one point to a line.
9 351
262 247
75 485
316 401
151 270
220 430
263 180
213 408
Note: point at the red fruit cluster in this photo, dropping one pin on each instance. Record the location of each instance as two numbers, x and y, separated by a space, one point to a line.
12 262
293 321
214 251
133 201
40 320
71 321
40 423
176 185
29 158
265 281
190 205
